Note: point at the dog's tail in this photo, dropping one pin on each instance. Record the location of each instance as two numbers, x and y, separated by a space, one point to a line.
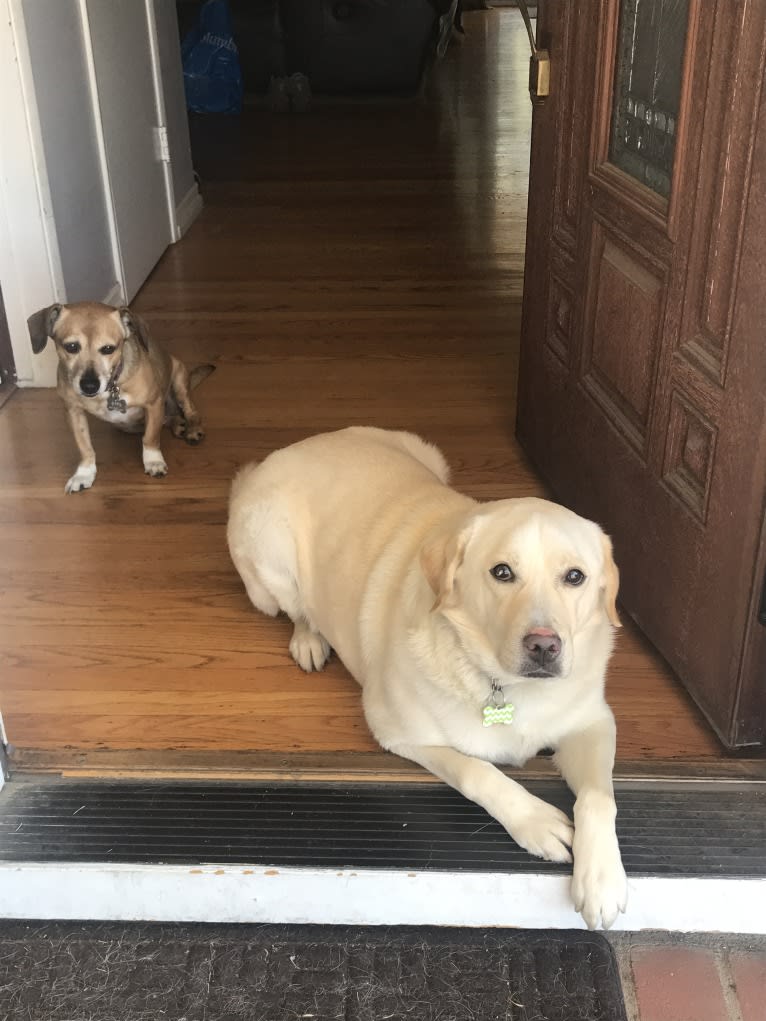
199 374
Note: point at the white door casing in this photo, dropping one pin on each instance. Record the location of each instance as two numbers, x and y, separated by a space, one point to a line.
30 266
130 82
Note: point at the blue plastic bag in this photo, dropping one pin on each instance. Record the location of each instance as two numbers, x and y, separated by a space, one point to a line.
212 75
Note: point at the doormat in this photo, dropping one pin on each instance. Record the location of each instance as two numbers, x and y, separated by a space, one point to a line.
140 972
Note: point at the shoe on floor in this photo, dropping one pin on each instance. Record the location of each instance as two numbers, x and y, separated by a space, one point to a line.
279 95
299 89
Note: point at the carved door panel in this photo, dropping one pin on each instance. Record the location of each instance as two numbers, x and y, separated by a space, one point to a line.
643 366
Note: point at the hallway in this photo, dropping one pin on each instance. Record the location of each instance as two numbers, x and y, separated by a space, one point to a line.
362 264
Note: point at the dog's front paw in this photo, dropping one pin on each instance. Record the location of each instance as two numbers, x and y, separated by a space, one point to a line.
83 478
309 649
542 830
599 886
154 463
599 883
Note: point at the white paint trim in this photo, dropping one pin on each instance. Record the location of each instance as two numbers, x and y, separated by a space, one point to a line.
30 262
159 102
4 741
362 897
115 295
34 128
98 126
188 210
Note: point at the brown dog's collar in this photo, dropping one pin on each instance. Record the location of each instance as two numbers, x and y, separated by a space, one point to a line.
116 374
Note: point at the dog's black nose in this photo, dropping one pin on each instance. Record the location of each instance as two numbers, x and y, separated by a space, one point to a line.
542 645
89 384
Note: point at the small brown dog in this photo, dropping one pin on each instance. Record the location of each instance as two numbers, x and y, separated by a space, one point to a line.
110 367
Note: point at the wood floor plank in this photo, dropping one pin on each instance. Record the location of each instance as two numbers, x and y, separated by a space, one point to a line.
360 265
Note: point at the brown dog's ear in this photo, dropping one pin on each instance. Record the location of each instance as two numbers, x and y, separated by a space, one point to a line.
440 557
134 326
41 326
611 582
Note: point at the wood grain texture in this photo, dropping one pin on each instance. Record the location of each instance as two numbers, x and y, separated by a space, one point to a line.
641 399
359 265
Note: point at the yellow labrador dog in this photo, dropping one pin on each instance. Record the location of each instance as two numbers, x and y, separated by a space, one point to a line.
480 632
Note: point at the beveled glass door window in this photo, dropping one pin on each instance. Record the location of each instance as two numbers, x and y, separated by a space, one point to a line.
647 89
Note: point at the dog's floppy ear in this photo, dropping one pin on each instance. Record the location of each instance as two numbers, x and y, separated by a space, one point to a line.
611 581
41 326
440 557
134 326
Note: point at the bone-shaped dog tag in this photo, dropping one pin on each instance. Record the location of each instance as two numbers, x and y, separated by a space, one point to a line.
116 403
497 714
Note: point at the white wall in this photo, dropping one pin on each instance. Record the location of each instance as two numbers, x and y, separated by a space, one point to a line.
59 236
68 131
30 268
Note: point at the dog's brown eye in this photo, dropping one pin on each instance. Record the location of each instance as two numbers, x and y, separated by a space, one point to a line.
107 349
502 572
574 577
72 347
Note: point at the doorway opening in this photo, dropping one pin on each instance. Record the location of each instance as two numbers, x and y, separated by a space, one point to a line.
359 265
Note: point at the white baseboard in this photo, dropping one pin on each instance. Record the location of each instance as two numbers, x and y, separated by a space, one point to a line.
256 893
187 211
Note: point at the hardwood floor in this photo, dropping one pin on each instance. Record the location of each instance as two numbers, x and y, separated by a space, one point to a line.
362 264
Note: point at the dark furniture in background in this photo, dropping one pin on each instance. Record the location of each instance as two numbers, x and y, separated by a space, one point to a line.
344 47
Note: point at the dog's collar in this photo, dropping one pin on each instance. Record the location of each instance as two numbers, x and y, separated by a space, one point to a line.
497 709
114 402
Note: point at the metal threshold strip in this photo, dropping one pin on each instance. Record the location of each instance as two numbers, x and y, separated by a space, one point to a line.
693 828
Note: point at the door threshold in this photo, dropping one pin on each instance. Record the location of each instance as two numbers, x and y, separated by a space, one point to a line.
101 891
342 766
331 853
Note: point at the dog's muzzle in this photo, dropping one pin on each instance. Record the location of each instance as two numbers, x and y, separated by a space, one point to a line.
90 384
542 648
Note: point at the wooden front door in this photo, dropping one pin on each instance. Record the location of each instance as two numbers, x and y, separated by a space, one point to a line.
643 361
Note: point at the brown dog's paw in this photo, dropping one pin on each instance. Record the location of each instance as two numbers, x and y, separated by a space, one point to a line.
178 426
154 463
82 479
194 435
192 432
